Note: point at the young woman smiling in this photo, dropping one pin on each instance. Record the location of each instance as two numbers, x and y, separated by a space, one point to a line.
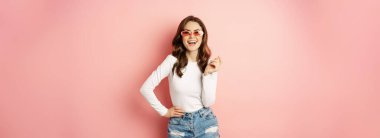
192 80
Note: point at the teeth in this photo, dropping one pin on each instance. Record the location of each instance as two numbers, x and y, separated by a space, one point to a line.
191 42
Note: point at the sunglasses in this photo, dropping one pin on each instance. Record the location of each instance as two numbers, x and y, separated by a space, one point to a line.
195 33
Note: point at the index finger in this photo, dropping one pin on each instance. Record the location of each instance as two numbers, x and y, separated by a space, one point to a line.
177 108
220 60
179 111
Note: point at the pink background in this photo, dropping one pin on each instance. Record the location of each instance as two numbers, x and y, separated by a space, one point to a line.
291 69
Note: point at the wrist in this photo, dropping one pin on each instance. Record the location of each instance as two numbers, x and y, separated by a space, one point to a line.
205 73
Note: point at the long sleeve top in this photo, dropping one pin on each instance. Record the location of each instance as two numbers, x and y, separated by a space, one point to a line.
190 93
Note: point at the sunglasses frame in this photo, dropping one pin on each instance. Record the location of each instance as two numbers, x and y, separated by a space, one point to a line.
201 33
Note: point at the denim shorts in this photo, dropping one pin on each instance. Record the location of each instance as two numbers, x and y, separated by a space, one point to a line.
199 124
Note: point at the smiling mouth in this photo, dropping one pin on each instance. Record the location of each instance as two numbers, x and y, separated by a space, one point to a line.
191 43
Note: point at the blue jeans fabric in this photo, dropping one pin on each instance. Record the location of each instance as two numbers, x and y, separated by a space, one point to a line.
199 124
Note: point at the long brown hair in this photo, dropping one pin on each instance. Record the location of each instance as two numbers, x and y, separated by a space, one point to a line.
179 50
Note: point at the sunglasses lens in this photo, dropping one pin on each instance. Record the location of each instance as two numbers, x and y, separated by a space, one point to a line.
185 33
198 33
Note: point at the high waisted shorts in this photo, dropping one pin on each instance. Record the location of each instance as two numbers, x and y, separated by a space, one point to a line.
198 124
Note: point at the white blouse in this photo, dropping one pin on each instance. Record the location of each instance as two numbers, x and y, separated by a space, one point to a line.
190 93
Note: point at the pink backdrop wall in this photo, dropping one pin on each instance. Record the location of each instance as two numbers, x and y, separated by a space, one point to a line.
291 69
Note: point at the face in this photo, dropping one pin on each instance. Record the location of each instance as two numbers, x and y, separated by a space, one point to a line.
192 36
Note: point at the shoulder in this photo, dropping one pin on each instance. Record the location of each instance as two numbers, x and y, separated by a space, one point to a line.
170 58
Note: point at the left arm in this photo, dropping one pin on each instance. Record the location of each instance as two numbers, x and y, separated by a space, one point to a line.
209 82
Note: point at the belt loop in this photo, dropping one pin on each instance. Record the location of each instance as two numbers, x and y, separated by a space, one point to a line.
202 111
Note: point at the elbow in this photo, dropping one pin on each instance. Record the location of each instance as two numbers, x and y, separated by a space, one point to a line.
143 90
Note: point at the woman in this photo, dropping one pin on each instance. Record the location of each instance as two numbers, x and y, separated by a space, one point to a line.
192 81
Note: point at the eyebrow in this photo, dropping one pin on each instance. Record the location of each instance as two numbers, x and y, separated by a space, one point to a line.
194 30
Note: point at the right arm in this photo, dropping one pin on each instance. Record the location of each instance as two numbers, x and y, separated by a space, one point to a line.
153 80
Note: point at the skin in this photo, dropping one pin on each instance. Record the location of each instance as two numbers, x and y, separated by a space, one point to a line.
191 53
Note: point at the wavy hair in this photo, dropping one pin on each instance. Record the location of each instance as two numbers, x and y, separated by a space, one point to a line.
179 50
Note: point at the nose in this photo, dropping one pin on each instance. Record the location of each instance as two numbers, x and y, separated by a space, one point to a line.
191 35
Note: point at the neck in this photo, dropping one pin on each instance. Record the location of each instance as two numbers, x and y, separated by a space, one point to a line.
192 55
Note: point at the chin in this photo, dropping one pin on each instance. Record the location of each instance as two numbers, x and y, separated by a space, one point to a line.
194 48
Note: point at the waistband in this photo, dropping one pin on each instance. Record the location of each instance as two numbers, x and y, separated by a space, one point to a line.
201 112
